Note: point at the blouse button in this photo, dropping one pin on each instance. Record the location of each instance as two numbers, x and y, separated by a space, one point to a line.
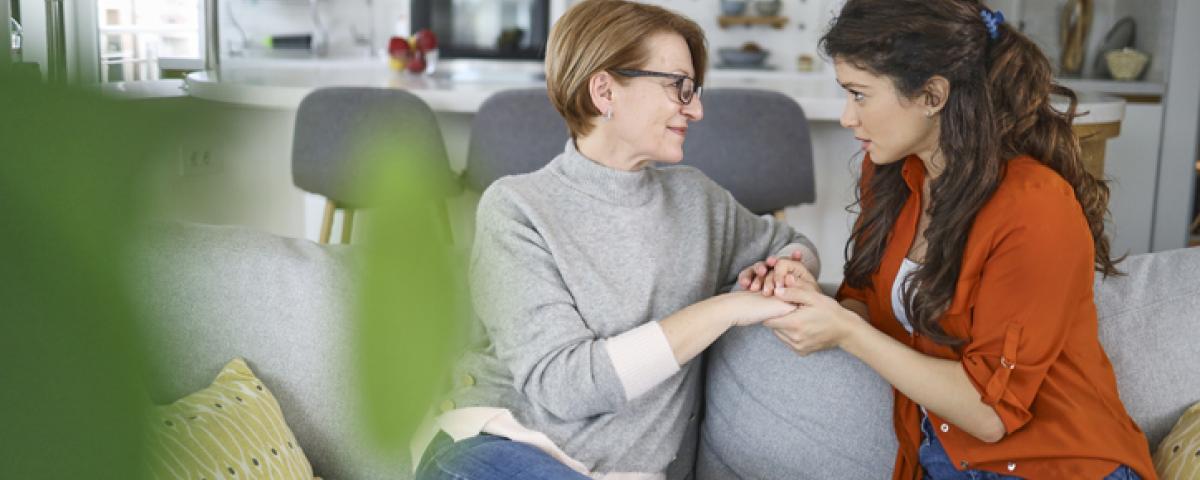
447 406
963 464
945 428
468 380
1012 466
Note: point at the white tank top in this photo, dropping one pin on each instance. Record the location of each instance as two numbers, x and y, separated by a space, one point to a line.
906 267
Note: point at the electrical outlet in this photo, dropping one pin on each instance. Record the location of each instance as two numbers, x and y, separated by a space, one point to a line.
197 161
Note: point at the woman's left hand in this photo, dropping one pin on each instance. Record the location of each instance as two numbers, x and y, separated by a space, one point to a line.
819 323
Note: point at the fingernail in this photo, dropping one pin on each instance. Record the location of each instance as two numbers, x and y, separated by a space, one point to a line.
779 291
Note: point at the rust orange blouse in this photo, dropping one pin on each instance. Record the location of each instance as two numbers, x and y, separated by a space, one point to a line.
1024 301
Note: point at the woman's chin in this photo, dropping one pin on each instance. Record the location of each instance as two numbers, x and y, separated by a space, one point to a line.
882 159
674 156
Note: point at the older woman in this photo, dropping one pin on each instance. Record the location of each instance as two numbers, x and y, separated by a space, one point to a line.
597 277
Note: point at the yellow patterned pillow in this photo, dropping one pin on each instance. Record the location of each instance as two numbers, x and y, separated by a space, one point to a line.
1178 456
232 429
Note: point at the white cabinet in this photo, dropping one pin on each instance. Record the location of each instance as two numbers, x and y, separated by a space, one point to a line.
1131 163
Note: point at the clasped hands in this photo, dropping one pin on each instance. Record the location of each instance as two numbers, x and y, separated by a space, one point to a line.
816 322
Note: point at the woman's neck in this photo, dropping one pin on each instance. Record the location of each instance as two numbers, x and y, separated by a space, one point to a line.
599 147
933 161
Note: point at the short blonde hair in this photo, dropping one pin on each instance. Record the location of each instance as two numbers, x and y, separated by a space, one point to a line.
601 35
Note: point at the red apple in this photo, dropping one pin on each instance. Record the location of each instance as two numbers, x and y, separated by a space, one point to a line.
426 40
417 63
398 48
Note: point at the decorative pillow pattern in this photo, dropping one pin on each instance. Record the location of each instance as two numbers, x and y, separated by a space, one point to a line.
232 429
1178 456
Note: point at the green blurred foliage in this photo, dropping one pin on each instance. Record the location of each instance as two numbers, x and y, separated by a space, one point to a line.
412 297
74 174
70 360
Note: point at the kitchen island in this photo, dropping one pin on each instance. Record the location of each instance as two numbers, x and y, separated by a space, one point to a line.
267 93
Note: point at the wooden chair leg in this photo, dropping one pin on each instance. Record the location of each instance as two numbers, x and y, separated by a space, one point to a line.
781 215
327 221
347 224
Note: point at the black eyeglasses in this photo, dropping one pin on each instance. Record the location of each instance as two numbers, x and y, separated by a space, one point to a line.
685 86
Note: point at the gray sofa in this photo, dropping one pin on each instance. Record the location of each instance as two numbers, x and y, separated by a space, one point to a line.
772 414
212 293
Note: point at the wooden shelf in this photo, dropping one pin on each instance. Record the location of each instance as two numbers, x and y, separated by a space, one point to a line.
726 21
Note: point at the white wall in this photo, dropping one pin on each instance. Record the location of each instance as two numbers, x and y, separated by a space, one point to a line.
249 182
807 21
1181 121
33 23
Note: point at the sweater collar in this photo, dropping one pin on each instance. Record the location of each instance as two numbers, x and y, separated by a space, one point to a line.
607 184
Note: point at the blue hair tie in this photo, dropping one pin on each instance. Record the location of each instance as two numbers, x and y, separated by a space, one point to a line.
992 20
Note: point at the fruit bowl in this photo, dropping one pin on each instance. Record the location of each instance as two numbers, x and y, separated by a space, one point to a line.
417 54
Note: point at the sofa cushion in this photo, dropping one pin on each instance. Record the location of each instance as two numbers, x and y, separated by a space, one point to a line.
770 413
1178 457
231 428
211 293
1150 327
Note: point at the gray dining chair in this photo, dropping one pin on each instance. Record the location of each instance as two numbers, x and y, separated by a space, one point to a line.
754 143
336 126
514 132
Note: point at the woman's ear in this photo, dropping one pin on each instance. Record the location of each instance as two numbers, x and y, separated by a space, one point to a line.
600 88
937 90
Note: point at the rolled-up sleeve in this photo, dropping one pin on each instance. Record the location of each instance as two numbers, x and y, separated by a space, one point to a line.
555 360
1036 278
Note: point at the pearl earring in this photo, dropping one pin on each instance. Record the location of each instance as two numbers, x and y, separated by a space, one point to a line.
608 114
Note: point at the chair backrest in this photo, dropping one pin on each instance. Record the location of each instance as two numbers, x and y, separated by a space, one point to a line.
756 144
335 127
514 132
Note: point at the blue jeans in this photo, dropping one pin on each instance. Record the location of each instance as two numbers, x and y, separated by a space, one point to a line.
488 457
938 466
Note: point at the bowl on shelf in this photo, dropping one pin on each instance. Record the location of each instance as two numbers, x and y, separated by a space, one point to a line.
740 57
1126 63
733 8
767 8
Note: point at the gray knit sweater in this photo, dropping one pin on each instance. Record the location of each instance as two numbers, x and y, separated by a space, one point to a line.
572 256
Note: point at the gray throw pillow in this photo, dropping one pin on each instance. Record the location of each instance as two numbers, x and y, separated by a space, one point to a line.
770 413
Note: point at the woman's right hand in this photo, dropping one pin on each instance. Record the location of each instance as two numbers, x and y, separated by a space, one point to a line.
758 278
750 308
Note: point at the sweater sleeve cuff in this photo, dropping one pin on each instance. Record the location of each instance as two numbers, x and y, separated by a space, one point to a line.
810 259
642 358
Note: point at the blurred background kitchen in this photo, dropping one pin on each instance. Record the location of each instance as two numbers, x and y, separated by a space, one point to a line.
250 62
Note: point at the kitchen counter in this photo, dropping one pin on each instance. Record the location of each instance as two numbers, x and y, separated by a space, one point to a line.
461 86
257 101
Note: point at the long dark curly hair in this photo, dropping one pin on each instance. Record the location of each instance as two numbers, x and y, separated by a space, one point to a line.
998 108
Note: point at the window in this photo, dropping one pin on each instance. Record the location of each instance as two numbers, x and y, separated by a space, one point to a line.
140 38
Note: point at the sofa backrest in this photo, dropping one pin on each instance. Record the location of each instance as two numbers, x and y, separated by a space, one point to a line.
211 293
1150 327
